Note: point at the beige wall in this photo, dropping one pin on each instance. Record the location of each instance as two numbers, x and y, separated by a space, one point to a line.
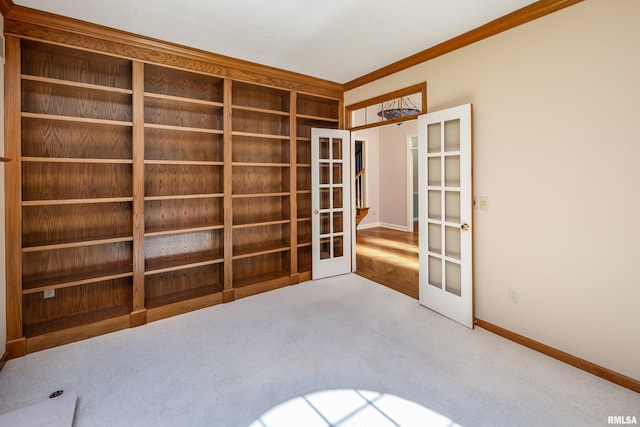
557 151
388 179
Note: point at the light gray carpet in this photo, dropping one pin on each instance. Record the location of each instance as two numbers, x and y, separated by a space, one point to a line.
231 364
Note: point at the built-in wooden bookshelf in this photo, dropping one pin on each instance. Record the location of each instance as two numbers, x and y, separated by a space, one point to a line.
141 189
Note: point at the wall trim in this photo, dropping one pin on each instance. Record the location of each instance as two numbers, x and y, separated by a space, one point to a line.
513 19
592 368
5 7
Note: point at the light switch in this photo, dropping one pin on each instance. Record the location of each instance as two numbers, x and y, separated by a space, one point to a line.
484 203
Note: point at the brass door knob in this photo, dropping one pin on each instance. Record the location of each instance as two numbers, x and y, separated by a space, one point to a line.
316 211
465 227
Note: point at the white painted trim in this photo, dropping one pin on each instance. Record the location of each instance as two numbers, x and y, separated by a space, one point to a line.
352 163
369 225
410 217
393 226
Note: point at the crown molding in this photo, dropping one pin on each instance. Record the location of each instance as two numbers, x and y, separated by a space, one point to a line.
521 16
5 6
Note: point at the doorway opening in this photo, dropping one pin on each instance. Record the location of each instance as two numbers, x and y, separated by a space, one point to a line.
387 238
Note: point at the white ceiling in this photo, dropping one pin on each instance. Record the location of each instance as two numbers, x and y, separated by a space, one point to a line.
338 40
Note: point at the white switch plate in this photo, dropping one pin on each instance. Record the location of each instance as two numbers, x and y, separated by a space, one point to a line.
49 293
483 202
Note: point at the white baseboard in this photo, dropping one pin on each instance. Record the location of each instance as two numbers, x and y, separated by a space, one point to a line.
369 225
384 225
394 226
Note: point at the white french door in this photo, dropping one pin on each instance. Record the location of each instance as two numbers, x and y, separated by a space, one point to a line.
331 220
445 213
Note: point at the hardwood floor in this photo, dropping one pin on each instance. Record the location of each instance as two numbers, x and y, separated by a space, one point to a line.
389 257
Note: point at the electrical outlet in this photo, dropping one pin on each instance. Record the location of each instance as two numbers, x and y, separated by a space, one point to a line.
49 293
514 296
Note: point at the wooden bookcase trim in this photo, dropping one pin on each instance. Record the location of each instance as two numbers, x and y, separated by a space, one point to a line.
37 25
160 308
92 325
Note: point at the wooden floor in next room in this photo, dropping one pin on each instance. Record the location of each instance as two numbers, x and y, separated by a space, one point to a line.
389 257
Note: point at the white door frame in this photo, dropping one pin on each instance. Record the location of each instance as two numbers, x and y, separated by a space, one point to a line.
410 187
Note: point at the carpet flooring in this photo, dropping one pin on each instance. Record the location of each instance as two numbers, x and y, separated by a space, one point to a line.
342 351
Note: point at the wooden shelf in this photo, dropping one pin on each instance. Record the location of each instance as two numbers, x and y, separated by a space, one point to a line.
183 162
182 296
251 195
32 285
259 164
76 119
260 135
261 278
73 243
317 118
75 160
261 110
76 201
183 128
74 84
182 262
68 322
179 230
179 99
261 224
185 196
256 250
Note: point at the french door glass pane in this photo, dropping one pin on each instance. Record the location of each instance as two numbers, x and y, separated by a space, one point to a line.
452 171
435 238
434 138
337 198
434 171
435 208
435 272
324 149
452 135
338 222
452 243
454 278
324 174
325 224
337 173
452 206
337 148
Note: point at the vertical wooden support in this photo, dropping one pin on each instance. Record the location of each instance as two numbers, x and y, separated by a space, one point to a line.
293 199
228 292
16 342
139 314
